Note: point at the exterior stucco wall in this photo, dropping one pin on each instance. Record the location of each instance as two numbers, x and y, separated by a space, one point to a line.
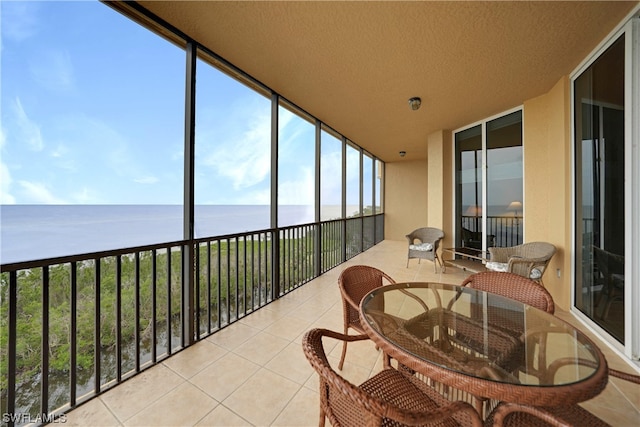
405 203
435 176
547 183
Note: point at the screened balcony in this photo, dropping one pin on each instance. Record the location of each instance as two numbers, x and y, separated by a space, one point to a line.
176 347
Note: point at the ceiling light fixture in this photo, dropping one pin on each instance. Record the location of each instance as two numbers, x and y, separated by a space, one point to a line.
414 103
403 153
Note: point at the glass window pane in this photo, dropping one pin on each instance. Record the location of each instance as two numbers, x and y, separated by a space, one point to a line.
232 155
504 181
367 184
353 181
379 171
600 205
92 128
296 169
469 187
330 176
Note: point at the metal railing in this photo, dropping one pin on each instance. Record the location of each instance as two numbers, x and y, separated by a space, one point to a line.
506 230
73 327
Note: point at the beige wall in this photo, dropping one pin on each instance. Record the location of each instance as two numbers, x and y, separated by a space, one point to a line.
547 182
435 179
420 193
405 198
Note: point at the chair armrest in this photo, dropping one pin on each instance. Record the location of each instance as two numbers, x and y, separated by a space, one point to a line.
524 266
504 409
625 376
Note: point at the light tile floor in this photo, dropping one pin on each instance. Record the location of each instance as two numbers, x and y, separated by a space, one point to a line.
254 372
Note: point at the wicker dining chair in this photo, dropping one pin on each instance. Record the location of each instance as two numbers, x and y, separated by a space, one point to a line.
389 398
529 260
528 291
354 283
424 243
513 286
516 415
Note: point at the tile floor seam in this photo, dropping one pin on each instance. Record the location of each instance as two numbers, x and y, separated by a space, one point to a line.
280 375
263 364
249 379
239 386
287 405
249 423
213 409
123 422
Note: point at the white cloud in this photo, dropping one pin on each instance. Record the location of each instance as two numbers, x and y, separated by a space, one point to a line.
246 158
299 191
38 193
29 131
5 186
6 198
331 178
53 70
19 20
60 151
146 180
86 197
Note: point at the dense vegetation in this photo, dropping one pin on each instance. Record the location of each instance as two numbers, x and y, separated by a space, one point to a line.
225 273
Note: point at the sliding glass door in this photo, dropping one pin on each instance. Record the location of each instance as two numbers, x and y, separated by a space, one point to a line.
489 183
599 125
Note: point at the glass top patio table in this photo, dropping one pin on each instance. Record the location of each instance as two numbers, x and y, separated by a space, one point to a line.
484 344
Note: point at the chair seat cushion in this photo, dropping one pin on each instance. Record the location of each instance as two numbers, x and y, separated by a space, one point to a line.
503 267
497 266
426 247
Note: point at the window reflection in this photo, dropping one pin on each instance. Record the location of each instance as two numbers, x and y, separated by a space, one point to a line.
600 205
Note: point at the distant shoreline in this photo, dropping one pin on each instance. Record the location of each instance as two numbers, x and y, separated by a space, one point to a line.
31 232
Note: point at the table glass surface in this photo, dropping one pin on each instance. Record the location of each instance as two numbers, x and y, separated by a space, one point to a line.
480 334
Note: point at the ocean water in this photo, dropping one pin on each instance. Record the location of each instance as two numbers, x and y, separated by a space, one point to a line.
31 232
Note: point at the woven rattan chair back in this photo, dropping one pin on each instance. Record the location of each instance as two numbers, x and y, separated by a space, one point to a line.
389 398
354 283
521 289
512 286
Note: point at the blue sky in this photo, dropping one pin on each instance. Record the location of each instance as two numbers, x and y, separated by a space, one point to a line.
92 113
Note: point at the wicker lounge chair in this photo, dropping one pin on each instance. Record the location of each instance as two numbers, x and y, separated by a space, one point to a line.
424 243
389 398
528 260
